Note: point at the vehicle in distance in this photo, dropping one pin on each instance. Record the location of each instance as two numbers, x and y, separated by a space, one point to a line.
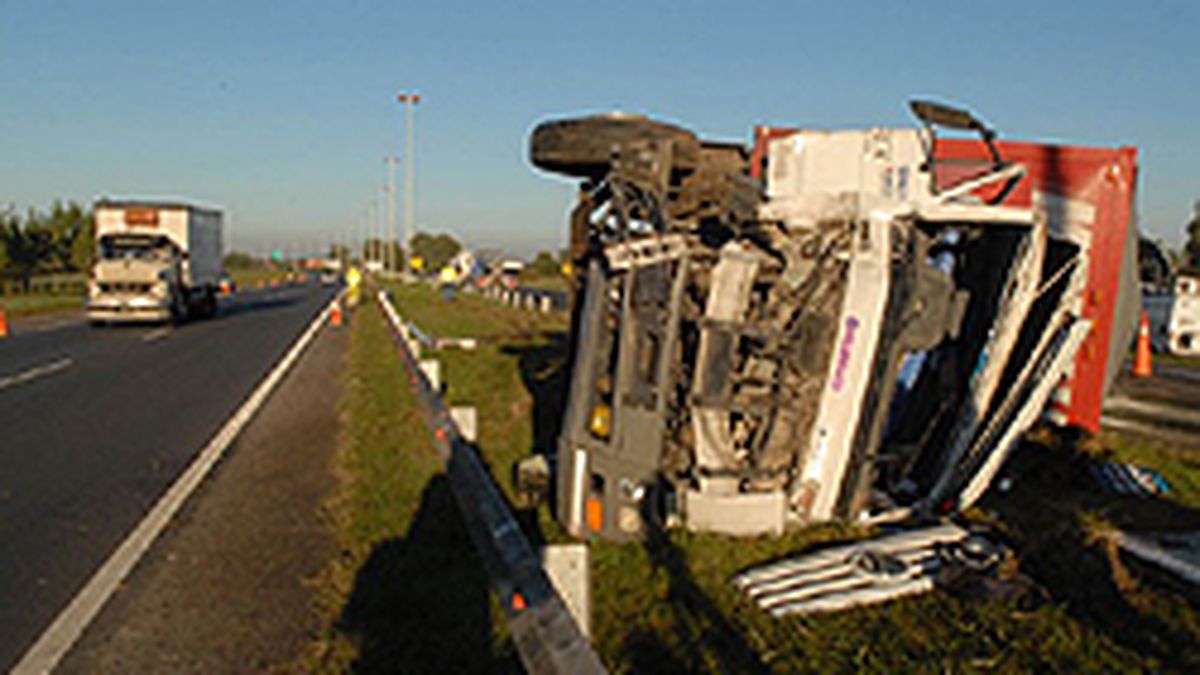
155 261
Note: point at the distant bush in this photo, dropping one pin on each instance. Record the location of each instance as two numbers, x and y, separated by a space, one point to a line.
235 260
43 242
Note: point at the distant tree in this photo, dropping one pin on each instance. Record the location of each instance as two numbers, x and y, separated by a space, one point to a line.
83 248
1192 247
435 250
397 254
67 224
238 260
6 217
338 252
28 247
543 265
372 250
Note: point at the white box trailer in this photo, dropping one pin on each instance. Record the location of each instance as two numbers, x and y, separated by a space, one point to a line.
155 261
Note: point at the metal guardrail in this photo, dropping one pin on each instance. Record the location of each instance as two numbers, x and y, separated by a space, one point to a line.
546 636
558 299
14 289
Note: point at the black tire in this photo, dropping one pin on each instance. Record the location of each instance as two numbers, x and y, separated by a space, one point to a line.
210 303
585 146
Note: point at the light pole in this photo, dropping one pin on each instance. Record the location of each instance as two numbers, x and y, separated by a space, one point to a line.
408 101
362 241
371 233
391 191
378 230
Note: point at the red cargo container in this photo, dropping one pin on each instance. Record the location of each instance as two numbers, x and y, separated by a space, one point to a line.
1092 189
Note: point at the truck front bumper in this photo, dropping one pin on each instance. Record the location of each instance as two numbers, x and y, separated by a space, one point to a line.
130 308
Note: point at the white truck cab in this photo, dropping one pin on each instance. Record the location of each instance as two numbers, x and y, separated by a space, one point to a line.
155 261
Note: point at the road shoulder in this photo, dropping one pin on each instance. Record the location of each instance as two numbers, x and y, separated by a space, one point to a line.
227 587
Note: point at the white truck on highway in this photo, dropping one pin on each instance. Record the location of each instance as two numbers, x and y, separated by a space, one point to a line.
155 261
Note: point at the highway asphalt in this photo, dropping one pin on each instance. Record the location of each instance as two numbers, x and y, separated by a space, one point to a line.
95 423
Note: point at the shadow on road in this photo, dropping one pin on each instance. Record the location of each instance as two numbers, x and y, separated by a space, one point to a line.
420 604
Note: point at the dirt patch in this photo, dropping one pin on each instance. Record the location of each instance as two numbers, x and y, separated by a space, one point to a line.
227 587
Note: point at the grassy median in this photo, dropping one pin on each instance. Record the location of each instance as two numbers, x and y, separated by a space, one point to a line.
22 306
1069 602
407 592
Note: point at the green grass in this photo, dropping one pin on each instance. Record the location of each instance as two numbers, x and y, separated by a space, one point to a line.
406 593
467 315
519 352
49 293
1178 465
21 306
666 605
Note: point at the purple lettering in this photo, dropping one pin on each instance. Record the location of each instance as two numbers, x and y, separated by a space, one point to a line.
843 357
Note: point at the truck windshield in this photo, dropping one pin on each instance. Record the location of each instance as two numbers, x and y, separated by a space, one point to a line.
141 248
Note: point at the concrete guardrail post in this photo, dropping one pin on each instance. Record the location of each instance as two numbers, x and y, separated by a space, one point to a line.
433 373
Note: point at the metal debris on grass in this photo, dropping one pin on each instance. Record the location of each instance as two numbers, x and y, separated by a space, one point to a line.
869 572
1128 479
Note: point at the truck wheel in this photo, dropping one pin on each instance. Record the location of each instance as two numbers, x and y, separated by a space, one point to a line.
209 304
180 308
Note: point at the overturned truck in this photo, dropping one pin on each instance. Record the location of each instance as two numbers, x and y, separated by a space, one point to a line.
827 325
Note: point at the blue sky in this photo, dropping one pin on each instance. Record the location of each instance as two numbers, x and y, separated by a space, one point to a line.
282 112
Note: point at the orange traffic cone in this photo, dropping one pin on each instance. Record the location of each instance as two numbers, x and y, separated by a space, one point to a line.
3 323
1141 359
335 313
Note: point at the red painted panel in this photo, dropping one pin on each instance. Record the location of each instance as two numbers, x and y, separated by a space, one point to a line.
1104 178
763 135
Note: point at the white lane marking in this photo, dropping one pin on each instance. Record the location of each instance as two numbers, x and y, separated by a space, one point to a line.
156 334
35 372
58 638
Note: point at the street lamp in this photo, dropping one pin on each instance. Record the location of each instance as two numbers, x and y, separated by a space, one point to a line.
391 190
408 100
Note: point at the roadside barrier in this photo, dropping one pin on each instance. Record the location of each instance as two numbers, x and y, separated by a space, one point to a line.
3 322
43 286
547 637
535 300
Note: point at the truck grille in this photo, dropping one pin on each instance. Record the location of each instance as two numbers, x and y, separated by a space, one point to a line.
125 287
